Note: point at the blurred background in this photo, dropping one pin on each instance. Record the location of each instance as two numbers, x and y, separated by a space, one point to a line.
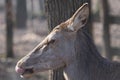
25 23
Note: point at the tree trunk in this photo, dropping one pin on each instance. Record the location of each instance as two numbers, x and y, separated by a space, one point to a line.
21 14
106 29
9 28
59 11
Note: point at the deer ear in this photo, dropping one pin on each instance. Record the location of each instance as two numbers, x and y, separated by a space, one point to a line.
79 18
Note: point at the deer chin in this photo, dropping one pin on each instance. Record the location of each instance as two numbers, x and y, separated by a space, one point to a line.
25 72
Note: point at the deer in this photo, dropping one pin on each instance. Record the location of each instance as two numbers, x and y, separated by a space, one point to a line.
69 46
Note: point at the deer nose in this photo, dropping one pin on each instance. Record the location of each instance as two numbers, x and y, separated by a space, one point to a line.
18 67
19 70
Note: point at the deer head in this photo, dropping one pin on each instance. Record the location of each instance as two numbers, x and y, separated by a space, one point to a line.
57 49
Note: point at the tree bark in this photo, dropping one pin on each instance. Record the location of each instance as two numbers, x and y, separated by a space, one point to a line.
59 11
9 28
21 14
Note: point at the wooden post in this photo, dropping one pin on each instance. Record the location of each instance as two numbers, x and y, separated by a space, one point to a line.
42 9
9 28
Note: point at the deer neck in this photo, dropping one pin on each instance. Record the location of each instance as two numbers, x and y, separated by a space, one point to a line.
85 62
73 72
90 65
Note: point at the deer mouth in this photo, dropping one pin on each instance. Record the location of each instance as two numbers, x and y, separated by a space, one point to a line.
25 73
